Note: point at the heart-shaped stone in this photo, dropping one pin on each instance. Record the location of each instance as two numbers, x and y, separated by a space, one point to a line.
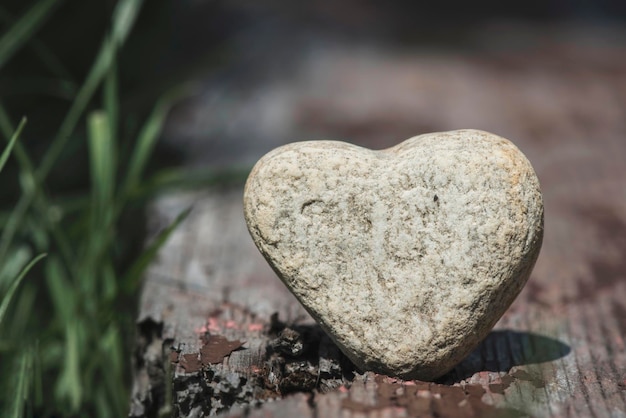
406 257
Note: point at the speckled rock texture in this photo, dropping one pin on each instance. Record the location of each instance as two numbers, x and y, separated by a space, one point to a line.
406 257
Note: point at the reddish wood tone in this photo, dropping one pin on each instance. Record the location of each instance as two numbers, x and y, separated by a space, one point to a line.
560 349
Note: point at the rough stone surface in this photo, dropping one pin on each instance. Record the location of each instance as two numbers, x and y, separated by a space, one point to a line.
407 256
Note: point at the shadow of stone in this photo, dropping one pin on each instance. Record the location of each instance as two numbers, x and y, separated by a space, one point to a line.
502 350
310 348
304 357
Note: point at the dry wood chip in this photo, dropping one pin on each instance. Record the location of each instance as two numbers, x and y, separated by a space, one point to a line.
216 348
191 363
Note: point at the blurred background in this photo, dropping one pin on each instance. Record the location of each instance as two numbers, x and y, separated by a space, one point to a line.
126 99
262 74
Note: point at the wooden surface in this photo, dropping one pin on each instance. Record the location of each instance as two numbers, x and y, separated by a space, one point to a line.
560 349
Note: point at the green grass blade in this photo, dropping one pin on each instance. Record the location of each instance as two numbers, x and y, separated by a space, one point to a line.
101 158
7 151
24 29
64 296
124 16
21 385
103 168
6 299
145 144
111 348
12 225
19 316
19 256
95 76
16 217
6 129
111 101
108 284
32 194
37 375
135 272
69 386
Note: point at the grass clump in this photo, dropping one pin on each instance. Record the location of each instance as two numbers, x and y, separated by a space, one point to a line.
65 322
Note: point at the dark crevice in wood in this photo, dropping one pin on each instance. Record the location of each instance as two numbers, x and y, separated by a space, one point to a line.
150 369
304 359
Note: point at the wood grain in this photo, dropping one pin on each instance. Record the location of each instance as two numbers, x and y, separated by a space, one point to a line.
559 351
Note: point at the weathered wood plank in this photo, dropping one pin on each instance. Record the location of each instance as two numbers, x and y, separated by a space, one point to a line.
559 350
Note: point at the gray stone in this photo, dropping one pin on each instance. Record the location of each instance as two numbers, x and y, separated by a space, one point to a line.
408 256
